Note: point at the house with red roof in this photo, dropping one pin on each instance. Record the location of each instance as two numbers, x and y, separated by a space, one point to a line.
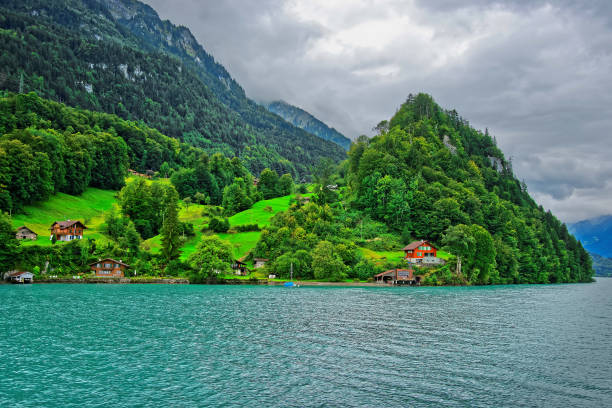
421 252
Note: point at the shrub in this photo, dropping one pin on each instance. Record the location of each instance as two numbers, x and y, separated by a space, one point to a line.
218 224
246 227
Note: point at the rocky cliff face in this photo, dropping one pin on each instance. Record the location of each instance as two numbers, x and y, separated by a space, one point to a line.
304 120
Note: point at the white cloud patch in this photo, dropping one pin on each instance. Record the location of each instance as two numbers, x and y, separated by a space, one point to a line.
536 73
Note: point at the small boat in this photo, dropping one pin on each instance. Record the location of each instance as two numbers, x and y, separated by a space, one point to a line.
289 284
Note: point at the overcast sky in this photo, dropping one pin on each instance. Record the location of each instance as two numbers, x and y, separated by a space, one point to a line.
536 73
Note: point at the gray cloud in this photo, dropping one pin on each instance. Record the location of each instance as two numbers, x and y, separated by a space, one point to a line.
536 73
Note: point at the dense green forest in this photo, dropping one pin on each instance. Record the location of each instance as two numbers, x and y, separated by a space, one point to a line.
90 55
427 175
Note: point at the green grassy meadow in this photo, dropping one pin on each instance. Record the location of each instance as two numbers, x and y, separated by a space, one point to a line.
241 242
89 208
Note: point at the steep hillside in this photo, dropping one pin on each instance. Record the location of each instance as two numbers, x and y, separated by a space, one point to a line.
427 175
88 207
595 234
309 123
117 56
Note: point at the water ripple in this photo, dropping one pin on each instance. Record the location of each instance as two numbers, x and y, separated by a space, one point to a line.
186 346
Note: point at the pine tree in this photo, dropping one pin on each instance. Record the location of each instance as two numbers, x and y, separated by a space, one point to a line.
170 231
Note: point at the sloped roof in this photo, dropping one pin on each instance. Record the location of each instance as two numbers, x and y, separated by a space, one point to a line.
416 244
24 227
19 273
111 260
393 271
68 224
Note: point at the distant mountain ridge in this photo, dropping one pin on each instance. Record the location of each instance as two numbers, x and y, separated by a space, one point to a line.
595 234
602 265
304 120
119 57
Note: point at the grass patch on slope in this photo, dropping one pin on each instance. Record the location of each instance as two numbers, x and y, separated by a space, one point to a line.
89 208
382 257
242 242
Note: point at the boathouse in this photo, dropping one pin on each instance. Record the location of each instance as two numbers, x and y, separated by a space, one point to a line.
421 252
398 277
109 267
24 232
67 230
21 277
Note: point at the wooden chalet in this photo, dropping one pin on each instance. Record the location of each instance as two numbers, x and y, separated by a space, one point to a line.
240 268
24 232
421 252
398 277
260 262
21 277
109 267
67 230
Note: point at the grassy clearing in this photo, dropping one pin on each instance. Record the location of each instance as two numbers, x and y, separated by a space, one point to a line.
242 242
89 208
444 255
382 257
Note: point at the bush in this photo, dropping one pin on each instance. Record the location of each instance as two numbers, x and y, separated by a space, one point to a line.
177 268
186 228
246 227
218 224
364 270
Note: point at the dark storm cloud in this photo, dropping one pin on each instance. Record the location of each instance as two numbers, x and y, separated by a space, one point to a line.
536 73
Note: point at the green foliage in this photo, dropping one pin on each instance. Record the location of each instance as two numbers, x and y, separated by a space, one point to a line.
268 184
9 245
427 175
246 227
170 231
135 74
327 263
212 257
47 148
218 224
235 197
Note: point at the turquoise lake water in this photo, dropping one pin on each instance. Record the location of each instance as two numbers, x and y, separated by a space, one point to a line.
258 346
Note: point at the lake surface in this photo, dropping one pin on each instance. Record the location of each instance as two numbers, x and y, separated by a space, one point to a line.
258 346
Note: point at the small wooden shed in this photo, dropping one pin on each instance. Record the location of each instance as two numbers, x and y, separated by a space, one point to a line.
24 232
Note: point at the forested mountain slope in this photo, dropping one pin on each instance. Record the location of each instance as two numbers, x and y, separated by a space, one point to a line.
309 123
117 56
427 175
47 147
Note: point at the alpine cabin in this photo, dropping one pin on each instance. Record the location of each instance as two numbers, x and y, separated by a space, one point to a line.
67 230
421 252
109 268
24 232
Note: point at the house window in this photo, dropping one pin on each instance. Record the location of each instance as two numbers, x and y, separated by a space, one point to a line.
419 254
97 265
